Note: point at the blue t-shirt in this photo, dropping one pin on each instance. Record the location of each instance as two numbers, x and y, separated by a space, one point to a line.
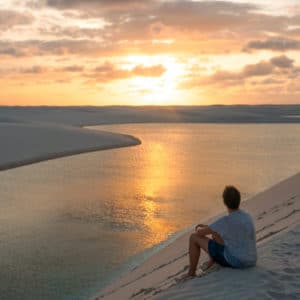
238 232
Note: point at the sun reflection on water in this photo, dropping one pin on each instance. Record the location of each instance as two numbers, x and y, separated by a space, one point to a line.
154 178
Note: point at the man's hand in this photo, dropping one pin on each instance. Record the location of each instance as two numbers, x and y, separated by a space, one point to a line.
199 226
203 230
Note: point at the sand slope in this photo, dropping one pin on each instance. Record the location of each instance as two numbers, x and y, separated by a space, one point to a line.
25 143
275 211
276 276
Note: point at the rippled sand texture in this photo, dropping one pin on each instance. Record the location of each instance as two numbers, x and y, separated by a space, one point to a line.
276 276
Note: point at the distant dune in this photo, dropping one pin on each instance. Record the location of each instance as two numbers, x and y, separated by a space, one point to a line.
80 116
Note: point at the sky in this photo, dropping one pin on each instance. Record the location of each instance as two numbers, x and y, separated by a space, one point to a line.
150 52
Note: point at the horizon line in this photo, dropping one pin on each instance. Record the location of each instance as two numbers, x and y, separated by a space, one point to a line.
149 105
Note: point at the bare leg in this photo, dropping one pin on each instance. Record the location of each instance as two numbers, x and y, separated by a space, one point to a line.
217 238
208 264
196 244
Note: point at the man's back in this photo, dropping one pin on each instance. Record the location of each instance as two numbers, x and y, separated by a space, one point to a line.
238 232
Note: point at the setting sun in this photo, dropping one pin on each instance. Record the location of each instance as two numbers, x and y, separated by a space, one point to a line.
161 90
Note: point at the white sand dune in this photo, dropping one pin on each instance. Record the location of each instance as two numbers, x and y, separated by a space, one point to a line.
25 143
276 276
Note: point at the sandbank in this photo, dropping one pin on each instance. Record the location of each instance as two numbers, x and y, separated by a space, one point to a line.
27 143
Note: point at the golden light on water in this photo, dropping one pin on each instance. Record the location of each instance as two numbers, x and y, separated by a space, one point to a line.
154 179
156 170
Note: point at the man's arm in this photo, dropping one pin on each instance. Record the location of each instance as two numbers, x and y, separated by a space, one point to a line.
204 231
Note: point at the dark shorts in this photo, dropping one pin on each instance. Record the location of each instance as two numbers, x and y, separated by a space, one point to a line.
216 251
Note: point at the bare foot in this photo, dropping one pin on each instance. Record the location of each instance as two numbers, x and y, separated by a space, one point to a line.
184 278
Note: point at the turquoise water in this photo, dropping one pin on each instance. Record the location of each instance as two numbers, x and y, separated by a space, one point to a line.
67 226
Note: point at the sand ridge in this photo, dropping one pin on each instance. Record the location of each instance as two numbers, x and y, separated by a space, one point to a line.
27 143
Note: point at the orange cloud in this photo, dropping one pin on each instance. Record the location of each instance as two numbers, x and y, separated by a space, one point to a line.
274 44
109 72
276 66
11 18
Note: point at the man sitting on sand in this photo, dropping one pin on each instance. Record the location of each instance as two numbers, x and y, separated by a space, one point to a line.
233 242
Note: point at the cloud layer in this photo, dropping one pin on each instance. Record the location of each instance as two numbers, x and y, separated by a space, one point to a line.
11 18
274 44
243 46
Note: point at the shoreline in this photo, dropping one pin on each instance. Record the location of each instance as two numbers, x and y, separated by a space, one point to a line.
275 212
80 119
135 141
9 166
52 142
